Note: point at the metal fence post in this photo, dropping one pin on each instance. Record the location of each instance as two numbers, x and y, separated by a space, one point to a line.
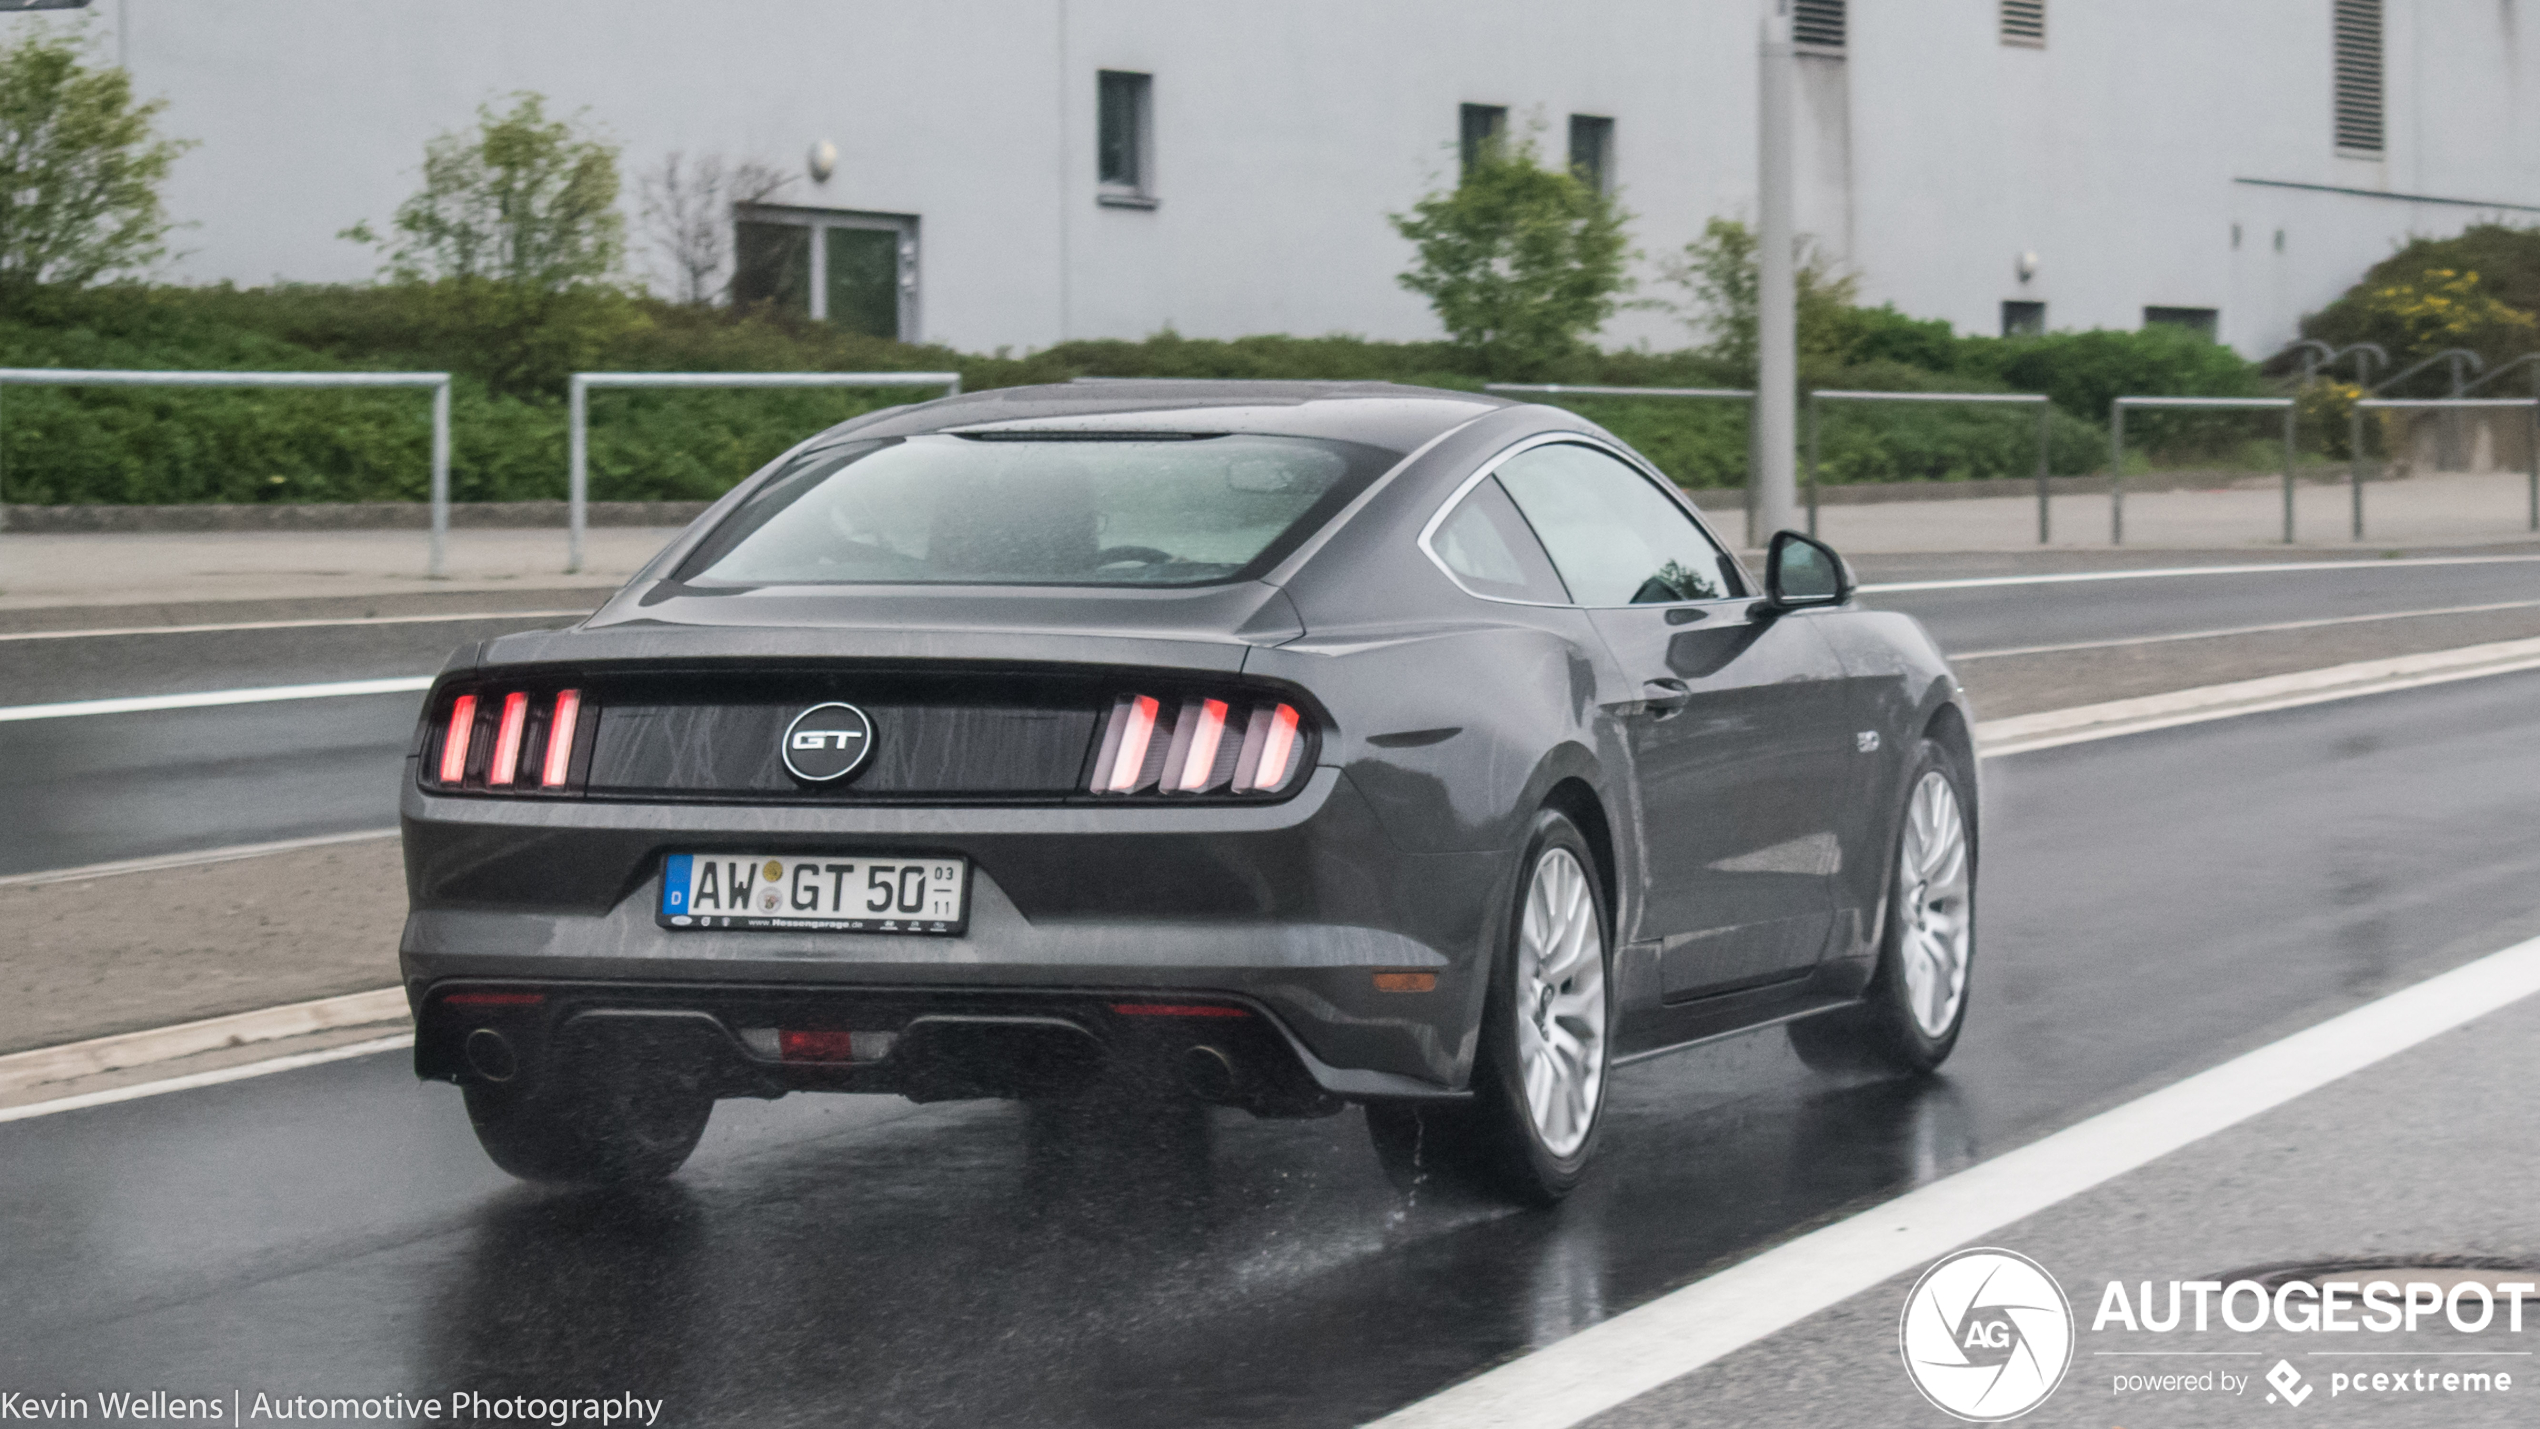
577 480
1812 465
2355 466
2291 414
2535 464
438 564
2116 473
2045 442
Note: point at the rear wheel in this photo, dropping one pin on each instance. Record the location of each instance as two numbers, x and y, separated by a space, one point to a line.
1909 1018
590 1129
1539 1076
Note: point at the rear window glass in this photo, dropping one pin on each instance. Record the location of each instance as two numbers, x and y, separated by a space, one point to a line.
1029 510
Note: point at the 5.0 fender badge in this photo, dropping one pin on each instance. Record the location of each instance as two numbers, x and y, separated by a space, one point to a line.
827 743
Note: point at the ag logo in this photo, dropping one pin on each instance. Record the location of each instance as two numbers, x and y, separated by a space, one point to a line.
827 742
1986 1335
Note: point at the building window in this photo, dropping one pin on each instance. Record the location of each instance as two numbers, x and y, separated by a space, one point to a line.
1592 151
2359 76
2023 319
1124 136
1478 127
2204 322
857 270
1818 23
2024 22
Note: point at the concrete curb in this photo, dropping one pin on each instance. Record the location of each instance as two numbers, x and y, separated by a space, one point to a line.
160 1044
2050 728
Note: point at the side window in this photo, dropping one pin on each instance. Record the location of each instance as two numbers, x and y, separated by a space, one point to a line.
1615 538
1486 544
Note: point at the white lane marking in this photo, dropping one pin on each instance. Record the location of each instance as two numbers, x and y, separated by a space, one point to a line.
1617 1361
2241 630
288 624
195 859
2051 728
2173 572
205 699
189 1082
20 1070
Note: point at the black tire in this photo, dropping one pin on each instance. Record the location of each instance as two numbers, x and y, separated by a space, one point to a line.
1492 1143
1881 1034
596 1129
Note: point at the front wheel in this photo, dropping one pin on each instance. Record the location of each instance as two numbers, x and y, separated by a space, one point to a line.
1540 1073
1909 1018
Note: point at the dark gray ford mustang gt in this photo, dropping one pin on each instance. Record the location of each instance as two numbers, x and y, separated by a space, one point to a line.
1280 745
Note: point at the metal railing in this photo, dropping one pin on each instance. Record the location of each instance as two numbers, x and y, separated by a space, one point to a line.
439 382
2355 443
1746 489
2045 434
578 419
2116 448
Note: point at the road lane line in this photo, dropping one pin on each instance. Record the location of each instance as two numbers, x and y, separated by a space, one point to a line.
195 859
1612 1363
287 624
70 1060
214 1078
2050 729
2280 625
2173 572
205 699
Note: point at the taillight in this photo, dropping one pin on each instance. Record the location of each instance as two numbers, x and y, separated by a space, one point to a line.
508 741
1153 745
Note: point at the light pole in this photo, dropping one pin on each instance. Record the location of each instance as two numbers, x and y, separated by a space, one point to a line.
1773 434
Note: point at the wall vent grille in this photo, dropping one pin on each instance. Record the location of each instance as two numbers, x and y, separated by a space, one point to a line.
2024 22
1818 23
2359 76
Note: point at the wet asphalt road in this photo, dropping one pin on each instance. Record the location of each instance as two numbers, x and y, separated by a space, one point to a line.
99 788
2151 906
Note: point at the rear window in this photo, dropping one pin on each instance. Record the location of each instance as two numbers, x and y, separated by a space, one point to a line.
1037 510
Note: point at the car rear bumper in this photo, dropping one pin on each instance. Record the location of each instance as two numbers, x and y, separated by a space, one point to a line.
1285 911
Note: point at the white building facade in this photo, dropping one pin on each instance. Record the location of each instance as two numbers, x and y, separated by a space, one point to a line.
1055 169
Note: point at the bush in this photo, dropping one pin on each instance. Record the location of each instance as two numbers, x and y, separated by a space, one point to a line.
2479 289
148 445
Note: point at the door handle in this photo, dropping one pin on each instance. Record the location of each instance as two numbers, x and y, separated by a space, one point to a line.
1664 697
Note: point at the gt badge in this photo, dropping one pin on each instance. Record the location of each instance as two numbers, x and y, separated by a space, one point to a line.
827 743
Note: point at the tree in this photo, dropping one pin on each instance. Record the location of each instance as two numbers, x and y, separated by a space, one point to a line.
1720 274
80 168
685 209
1520 262
519 200
512 247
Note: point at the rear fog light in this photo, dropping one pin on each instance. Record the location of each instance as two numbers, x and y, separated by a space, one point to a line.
801 1045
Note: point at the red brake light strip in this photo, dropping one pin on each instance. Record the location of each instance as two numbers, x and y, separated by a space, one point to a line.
506 765
559 763
456 738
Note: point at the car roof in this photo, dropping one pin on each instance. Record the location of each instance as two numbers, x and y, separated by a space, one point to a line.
1381 414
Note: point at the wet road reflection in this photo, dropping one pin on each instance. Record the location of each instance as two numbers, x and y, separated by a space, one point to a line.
2152 905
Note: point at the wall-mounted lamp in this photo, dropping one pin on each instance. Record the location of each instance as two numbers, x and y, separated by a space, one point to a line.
2027 266
823 161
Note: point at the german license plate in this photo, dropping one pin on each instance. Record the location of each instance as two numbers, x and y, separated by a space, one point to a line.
823 893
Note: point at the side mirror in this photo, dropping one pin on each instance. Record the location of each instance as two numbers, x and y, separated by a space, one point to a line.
1803 571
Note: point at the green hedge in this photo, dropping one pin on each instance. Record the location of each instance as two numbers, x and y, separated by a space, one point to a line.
159 445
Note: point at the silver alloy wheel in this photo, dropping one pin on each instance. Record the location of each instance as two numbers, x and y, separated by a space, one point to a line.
1560 1009
1931 899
